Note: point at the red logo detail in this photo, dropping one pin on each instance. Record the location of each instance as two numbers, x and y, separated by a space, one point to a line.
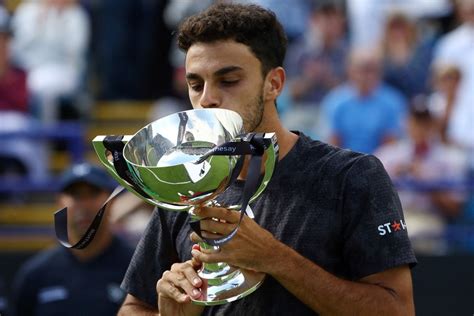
396 226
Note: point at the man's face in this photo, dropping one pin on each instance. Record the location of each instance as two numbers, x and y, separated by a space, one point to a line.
227 75
83 201
365 75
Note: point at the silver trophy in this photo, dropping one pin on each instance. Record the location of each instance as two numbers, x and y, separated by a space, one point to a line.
184 161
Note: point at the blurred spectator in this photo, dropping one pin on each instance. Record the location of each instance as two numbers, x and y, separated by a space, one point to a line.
457 48
177 10
367 17
129 49
50 41
364 113
315 61
315 64
63 281
406 55
431 168
173 103
293 15
446 81
19 155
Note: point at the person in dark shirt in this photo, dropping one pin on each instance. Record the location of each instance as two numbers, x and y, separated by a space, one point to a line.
328 231
61 281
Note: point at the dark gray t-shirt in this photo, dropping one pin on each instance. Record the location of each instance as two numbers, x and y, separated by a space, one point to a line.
335 207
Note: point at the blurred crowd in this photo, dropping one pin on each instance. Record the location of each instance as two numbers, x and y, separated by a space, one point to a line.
392 78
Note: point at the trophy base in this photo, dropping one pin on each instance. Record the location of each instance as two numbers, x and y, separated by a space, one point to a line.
234 285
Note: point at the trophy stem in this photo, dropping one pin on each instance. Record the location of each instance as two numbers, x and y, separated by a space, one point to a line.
223 283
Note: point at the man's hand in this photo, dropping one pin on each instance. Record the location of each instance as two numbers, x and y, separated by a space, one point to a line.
176 288
250 248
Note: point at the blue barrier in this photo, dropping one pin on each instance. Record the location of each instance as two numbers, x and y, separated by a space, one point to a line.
71 133
430 186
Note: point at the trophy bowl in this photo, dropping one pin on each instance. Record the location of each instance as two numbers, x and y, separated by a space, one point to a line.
185 160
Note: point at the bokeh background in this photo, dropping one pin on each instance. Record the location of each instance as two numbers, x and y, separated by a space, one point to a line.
393 78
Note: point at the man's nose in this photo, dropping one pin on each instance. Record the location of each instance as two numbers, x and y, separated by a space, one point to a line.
210 97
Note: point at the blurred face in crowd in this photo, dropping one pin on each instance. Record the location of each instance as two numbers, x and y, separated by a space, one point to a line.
466 11
420 130
400 28
364 70
226 74
328 23
83 201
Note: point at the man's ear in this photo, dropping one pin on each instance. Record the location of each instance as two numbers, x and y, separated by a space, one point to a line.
274 83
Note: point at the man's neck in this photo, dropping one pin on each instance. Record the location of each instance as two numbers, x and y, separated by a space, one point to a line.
285 139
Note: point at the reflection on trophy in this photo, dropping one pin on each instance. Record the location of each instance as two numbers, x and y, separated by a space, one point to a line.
184 161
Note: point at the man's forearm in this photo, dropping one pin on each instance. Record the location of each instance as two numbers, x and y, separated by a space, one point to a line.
135 309
328 294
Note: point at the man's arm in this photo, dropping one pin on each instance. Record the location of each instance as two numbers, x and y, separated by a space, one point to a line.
134 306
388 292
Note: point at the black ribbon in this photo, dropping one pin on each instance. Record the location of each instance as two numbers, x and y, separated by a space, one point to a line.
115 145
255 145
60 224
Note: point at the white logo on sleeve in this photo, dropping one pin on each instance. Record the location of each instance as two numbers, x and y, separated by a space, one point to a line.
392 227
52 294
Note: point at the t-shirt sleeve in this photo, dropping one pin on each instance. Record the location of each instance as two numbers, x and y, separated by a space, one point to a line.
155 253
375 231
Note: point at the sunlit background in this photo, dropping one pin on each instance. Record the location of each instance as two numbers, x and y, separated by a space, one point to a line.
393 78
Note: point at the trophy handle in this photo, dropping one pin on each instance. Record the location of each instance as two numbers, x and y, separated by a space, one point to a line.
103 153
271 153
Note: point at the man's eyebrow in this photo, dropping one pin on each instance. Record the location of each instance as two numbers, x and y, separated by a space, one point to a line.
192 76
221 72
226 70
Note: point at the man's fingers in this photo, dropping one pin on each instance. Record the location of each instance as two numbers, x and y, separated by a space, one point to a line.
195 238
192 277
217 227
219 213
184 278
213 257
169 290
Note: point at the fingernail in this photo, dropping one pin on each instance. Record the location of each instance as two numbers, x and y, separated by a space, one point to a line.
194 253
196 281
196 292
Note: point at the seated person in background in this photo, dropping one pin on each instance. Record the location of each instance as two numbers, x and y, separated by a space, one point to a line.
364 113
63 281
18 155
423 166
456 48
406 55
50 42
443 100
316 62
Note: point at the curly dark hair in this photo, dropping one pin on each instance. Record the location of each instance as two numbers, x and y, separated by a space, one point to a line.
250 25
